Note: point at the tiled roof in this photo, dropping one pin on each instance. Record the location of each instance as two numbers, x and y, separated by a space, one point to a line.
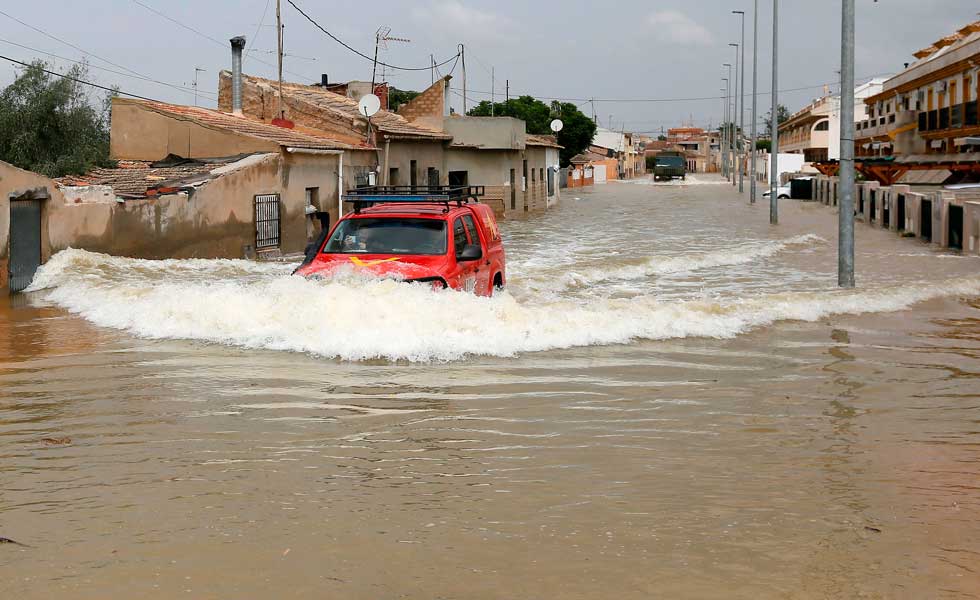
542 140
135 178
384 121
298 137
580 159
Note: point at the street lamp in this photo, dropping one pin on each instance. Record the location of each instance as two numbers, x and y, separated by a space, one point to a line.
845 225
735 116
741 113
728 118
755 78
721 130
774 122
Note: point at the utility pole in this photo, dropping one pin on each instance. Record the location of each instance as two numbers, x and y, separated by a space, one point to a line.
592 101
279 112
735 133
774 122
728 112
432 69
755 81
507 94
196 71
845 224
741 113
492 79
462 53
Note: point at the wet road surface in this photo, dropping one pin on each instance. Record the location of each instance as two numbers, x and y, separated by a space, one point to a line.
671 400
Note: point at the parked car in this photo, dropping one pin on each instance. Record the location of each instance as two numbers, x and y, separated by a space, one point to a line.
669 164
440 235
781 192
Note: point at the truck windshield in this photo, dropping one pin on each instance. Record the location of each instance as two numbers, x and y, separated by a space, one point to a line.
388 236
670 161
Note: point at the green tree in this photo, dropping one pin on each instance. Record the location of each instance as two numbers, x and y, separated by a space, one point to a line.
763 145
782 114
49 125
577 131
397 97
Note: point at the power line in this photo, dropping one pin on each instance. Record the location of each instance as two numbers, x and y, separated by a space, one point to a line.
86 52
78 62
223 44
361 54
653 100
76 80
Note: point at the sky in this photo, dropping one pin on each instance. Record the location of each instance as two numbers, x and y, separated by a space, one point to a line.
649 64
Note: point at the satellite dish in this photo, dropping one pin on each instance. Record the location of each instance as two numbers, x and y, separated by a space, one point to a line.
556 125
369 105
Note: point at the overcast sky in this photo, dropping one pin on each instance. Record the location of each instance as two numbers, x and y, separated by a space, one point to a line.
641 49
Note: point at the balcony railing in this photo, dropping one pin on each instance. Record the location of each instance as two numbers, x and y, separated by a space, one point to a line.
957 116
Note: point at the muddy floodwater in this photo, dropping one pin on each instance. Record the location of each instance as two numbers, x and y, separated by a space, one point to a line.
671 400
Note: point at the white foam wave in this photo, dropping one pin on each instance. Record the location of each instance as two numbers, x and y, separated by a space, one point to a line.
656 265
398 321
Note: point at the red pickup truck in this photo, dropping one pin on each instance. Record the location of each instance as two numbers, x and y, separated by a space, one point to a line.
440 235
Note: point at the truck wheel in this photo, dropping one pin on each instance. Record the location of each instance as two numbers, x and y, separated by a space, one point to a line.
498 283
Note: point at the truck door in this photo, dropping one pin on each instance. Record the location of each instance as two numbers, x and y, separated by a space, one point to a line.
481 270
466 269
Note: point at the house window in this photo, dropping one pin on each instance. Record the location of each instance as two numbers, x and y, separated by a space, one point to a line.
313 196
459 178
524 178
362 176
413 174
432 177
267 223
551 182
822 126
513 189
393 176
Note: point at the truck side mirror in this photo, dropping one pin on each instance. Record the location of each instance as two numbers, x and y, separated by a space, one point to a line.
470 252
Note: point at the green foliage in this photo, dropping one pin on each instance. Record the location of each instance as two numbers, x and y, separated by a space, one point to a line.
763 145
651 162
48 124
576 134
782 114
398 97
661 138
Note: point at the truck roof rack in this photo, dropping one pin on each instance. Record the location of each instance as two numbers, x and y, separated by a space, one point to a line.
384 194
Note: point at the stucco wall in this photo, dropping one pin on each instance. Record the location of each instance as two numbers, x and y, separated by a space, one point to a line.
425 154
139 133
216 221
487 132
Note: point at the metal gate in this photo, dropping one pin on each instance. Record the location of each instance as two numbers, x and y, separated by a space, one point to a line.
267 221
25 242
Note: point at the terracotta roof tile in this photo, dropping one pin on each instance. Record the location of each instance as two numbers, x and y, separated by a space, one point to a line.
542 140
385 121
298 137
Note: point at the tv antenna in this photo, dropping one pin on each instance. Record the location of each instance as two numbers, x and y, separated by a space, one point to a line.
381 38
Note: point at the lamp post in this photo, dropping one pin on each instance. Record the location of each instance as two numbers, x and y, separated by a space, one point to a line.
726 134
741 113
755 66
845 223
735 133
721 130
728 118
774 122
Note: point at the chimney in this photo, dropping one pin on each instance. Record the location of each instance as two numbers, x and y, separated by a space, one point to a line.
324 80
237 45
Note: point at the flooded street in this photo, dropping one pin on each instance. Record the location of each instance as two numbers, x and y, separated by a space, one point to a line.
670 400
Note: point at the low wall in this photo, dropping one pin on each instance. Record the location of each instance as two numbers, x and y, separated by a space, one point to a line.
947 218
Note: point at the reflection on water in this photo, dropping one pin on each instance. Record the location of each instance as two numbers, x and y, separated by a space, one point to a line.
678 432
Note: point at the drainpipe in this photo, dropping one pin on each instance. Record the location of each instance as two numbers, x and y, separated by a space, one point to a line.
237 45
384 176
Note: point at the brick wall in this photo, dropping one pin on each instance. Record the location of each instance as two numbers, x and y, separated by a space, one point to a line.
428 104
